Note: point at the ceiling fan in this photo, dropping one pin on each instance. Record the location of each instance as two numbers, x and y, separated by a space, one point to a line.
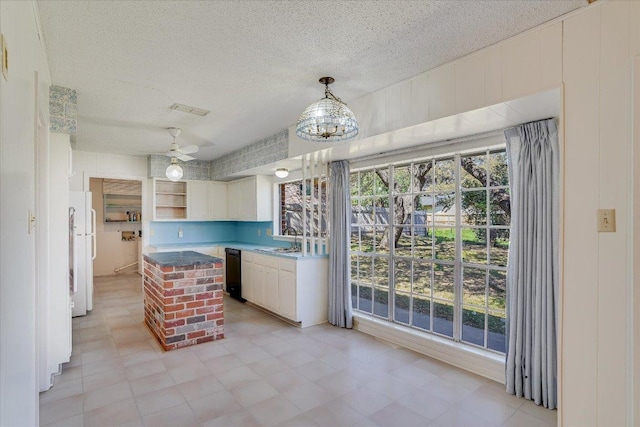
180 153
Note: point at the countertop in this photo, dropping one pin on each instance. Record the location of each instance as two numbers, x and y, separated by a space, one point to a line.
259 249
181 258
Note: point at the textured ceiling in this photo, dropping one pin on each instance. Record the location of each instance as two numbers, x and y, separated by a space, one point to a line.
254 64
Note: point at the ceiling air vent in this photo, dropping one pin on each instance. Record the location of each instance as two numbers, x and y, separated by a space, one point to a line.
191 110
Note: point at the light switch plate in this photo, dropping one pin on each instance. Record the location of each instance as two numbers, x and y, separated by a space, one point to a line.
606 220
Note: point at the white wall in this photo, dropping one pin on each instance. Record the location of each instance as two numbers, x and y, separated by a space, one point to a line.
597 54
18 350
88 164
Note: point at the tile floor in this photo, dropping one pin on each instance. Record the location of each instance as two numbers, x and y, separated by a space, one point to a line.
265 372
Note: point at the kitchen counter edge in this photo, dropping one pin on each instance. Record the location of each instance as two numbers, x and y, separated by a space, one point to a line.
258 249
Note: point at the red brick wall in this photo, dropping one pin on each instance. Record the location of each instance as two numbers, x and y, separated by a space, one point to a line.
183 305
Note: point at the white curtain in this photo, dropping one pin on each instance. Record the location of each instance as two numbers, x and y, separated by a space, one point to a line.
340 313
532 269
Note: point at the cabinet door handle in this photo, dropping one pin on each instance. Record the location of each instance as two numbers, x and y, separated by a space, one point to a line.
93 234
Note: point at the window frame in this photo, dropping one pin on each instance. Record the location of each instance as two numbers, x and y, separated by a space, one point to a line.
324 184
458 263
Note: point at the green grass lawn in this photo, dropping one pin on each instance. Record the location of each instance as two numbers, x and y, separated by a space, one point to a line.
442 309
427 250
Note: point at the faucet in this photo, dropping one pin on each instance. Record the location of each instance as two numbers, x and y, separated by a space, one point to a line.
295 240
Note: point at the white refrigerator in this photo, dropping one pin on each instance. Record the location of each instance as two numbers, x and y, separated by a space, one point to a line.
84 251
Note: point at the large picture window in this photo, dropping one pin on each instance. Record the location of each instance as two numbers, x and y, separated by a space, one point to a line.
429 245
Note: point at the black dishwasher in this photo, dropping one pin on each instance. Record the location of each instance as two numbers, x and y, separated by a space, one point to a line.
234 276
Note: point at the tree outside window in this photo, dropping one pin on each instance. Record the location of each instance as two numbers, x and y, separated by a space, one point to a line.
429 245
292 195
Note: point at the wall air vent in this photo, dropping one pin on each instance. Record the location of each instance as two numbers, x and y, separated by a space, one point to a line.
191 110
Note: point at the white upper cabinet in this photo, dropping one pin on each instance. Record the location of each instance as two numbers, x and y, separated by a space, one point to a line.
198 200
247 199
218 200
250 199
233 199
206 200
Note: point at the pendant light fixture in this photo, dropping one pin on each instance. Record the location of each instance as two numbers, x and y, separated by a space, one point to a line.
174 171
328 119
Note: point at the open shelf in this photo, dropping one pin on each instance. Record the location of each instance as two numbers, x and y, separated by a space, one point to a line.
120 207
170 200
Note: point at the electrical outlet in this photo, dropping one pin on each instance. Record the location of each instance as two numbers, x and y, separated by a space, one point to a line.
606 220
269 232
151 232
180 233
259 232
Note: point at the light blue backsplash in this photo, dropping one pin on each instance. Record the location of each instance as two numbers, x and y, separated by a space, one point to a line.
247 232
212 231
193 232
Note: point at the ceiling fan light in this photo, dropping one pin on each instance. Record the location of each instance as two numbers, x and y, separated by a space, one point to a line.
282 172
174 171
328 119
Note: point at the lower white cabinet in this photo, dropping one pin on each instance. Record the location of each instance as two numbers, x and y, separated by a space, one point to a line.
246 276
260 278
271 298
287 293
293 288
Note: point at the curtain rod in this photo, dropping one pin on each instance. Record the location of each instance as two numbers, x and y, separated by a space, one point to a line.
532 121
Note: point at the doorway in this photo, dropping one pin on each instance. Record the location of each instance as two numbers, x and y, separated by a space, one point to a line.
118 206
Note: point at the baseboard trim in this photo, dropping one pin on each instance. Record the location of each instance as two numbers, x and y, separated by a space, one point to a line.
477 361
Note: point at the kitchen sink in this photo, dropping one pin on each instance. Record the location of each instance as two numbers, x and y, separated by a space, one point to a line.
286 250
279 250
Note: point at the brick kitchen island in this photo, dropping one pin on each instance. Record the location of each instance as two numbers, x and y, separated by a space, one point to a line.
183 298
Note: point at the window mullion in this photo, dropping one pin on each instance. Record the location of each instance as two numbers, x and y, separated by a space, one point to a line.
391 220
488 249
457 304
